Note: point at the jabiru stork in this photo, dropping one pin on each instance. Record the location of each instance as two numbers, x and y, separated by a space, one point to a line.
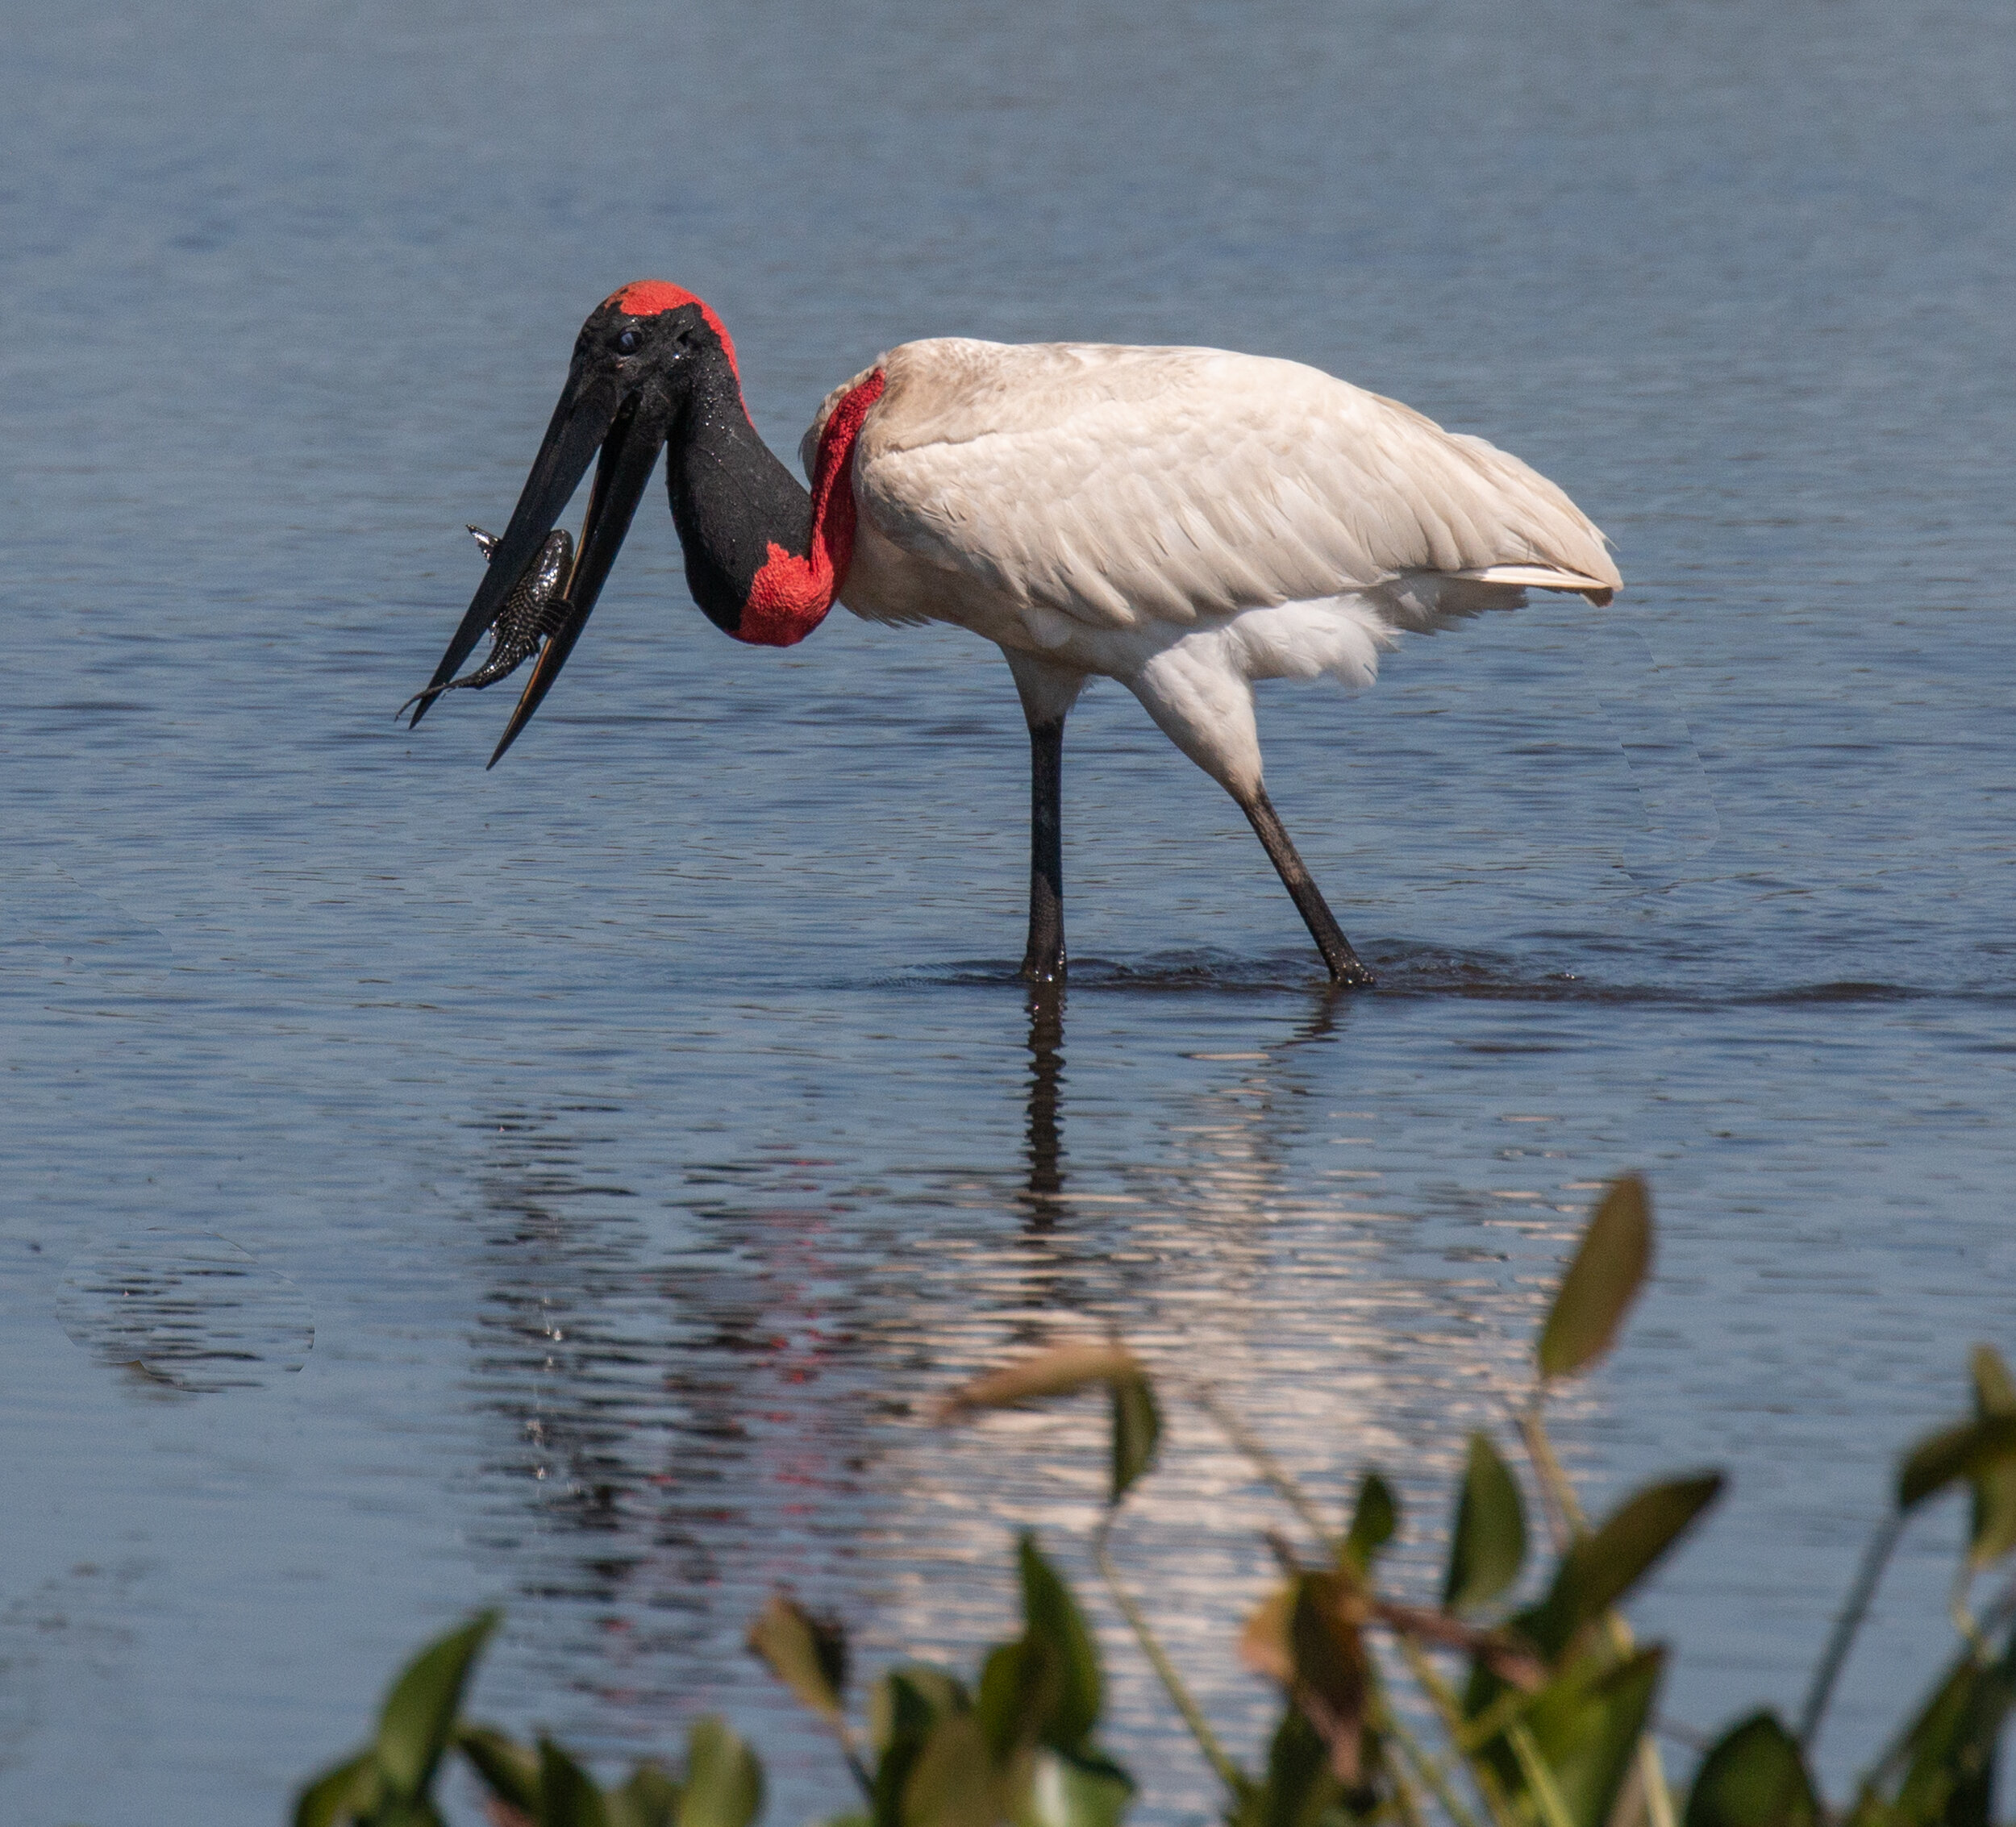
1184 520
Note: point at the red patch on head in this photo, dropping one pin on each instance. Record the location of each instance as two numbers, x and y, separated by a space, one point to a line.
652 298
791 595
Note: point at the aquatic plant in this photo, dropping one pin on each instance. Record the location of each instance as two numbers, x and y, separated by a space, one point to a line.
1458 1707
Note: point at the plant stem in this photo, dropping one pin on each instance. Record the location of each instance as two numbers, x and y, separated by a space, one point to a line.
1964 1621
1270 1468
1442 1697
1229 1773
1539 1778
1406 1804
1874 1558
1651 1776
1428 1770
1566 1521
1564 1513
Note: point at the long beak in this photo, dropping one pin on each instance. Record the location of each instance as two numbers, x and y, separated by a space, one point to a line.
588 405
629 454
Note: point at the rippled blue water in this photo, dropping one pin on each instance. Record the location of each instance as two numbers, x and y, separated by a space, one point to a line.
649 1130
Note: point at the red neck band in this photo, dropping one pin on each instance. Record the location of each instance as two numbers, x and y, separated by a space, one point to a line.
791 595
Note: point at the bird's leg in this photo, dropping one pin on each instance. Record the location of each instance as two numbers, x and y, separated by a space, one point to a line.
1048 692
1345 968
1044 962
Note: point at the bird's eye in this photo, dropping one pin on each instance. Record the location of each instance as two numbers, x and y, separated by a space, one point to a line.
630 343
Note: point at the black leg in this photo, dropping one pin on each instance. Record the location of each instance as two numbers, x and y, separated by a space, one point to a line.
1344 966
1044 962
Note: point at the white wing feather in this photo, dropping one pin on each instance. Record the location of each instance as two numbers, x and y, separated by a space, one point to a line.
1112 484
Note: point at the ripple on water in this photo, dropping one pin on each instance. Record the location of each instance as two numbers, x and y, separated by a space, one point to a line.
184 1310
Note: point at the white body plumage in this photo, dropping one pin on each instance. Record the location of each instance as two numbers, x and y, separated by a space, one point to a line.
1185 520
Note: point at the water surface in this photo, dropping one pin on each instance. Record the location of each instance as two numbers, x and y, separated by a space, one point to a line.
629 1144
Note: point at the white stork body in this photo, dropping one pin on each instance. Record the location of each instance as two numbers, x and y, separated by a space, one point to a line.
1184 521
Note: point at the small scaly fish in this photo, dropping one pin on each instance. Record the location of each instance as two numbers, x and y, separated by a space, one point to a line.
534 609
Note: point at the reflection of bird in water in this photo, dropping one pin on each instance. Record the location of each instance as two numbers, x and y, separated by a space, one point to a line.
1184 521
1043 1131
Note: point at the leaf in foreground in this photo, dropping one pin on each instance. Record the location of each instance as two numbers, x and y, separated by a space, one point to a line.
507 1768
1599 1570
421 1712
1137 1431
567 1796
1055 1628
1074 1792
1954 1453
340 1795
1375 1521
1602 1280
724 1782
1060 1371
1753 1776
806 1652
1487 1542
649 1798
1587 1726
1992 1533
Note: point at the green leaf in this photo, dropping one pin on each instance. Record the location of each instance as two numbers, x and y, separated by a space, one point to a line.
807 1653
1602 1282
419 1813
1073 1792
1598 1569
908 1698
418 1721
724 1782
1753 1776
509 1770
1053 1626
1374 1521
1300 1788
1008 1679
567 1796
1587 1726
1137 1430
1993 1531
1967 1451
952 1781
649 1798
1950 1779
1487 1540
341 1794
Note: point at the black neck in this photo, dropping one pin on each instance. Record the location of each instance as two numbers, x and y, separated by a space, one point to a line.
731 499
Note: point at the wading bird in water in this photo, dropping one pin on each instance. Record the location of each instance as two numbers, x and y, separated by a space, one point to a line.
1184 521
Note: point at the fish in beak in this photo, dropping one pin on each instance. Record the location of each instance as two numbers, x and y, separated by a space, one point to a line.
535 609
615 411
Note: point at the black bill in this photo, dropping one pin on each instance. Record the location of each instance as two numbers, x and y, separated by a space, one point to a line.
594 417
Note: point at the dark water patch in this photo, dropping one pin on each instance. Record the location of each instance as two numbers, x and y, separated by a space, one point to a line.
94 704
1417 971
1849 990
